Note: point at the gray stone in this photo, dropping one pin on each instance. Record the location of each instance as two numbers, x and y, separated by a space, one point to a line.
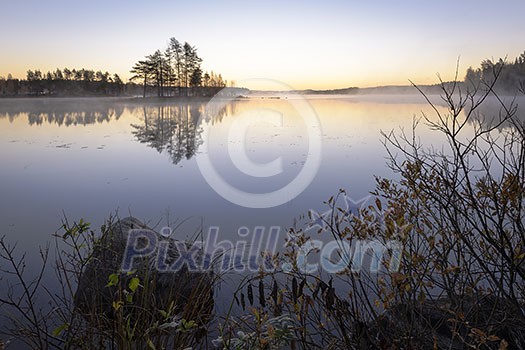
189 294
452 324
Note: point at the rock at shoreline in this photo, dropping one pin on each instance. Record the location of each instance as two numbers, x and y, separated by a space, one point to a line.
458 324
188 294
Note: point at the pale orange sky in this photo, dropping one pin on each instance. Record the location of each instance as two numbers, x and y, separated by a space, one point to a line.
304 44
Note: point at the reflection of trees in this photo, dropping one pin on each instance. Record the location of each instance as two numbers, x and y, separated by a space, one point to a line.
491 113
60 112
171 128
74 118
175 128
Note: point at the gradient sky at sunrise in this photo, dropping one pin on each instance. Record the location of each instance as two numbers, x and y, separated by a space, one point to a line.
305 44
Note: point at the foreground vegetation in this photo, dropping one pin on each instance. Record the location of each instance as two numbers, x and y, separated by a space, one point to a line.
456 209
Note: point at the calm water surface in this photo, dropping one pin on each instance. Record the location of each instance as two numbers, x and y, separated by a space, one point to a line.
87 158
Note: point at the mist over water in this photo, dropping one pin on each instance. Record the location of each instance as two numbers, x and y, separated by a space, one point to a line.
90 158
87 158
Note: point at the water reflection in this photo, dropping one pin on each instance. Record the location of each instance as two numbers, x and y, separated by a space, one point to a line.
175 128
178 119
74 118
170 127
493 113
62 112
109 165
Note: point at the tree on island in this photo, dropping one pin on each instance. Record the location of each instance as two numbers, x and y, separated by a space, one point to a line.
178 70
141 71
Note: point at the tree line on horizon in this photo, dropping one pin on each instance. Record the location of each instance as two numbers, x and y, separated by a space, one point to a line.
74 75
63 82
511 74
176 71
88 82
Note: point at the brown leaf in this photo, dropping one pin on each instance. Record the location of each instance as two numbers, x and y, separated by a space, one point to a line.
262 300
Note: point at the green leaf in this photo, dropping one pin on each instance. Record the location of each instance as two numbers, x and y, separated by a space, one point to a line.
151 345
112 280
117 304
71 232
134 284
83 226
60 329
186 325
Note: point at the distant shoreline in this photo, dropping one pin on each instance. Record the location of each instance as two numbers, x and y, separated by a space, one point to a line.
123 98
436 89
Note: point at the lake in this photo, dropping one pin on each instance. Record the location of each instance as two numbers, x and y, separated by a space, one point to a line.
88 158
244 167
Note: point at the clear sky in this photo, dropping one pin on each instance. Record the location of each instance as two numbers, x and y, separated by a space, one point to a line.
305 44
